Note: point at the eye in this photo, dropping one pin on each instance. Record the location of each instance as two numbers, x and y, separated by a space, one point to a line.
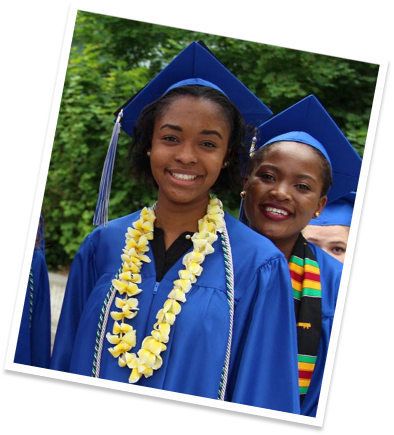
267 176
338 250
303 186
208 144
170 139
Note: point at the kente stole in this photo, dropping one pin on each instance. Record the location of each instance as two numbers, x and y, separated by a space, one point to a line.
305 278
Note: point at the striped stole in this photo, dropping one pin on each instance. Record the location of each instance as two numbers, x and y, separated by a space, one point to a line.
305 278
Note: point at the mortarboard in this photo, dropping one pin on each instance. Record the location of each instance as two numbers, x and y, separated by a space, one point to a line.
194 65
338 212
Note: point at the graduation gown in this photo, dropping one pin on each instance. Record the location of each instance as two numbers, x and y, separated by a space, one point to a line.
263 363
34 339
330 278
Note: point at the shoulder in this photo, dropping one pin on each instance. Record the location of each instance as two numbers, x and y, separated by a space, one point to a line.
116 229
327 262
253 244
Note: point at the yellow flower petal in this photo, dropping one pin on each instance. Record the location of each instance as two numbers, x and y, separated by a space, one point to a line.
167 317
214 209
125 359
186 274
153 345
125 276
133 234
183 284
208 249
146 357
119 285
148 214
113 339
130 338
118 328
193 256
194 268
204 225
177 294
117 316
133 290
135 376
161 332
118 349
172 306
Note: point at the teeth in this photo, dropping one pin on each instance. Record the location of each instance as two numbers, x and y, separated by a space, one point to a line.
276 211
183 176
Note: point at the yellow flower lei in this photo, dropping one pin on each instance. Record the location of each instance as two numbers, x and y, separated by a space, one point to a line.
133 257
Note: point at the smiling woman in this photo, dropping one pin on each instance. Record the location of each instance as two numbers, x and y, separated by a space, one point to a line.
178 296
301 153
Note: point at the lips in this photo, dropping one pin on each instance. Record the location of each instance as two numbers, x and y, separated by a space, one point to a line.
275 213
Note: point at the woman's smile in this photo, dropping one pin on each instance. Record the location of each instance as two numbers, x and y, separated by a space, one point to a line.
275 212
183 176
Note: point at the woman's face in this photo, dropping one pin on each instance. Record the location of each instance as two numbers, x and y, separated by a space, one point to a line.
283 193
189 147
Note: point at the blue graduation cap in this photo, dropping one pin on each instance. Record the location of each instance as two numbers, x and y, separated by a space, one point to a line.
195 65
308 122
339 212
198 63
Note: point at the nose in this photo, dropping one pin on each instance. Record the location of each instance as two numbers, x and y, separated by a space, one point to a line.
281 192
186 154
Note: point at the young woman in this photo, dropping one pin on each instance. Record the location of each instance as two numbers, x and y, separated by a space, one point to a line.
289 184
188 302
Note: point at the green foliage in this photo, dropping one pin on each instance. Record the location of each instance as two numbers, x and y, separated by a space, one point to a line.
111 59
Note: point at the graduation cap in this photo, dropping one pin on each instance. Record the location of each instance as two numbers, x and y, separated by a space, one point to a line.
195 65
339 212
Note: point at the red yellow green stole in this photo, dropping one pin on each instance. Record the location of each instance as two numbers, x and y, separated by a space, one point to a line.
305 277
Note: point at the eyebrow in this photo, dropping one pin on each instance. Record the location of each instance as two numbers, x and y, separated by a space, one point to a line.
178 128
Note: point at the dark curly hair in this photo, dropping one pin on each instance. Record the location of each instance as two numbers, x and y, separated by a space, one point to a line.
230 177
326 171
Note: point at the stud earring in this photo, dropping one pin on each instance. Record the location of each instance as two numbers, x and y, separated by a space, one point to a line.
225 164
148 153
317 214
242 194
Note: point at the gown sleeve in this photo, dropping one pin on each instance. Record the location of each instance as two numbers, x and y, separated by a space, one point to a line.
80 283
34 339
265 372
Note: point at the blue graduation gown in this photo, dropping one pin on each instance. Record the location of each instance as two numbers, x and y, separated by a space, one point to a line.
34 339
330 278
263 365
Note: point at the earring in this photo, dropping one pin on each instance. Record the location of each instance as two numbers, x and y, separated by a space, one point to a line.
242 194
225 164
317 214
148 153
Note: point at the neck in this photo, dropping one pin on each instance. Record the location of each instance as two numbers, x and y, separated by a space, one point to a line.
175 219
285 246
